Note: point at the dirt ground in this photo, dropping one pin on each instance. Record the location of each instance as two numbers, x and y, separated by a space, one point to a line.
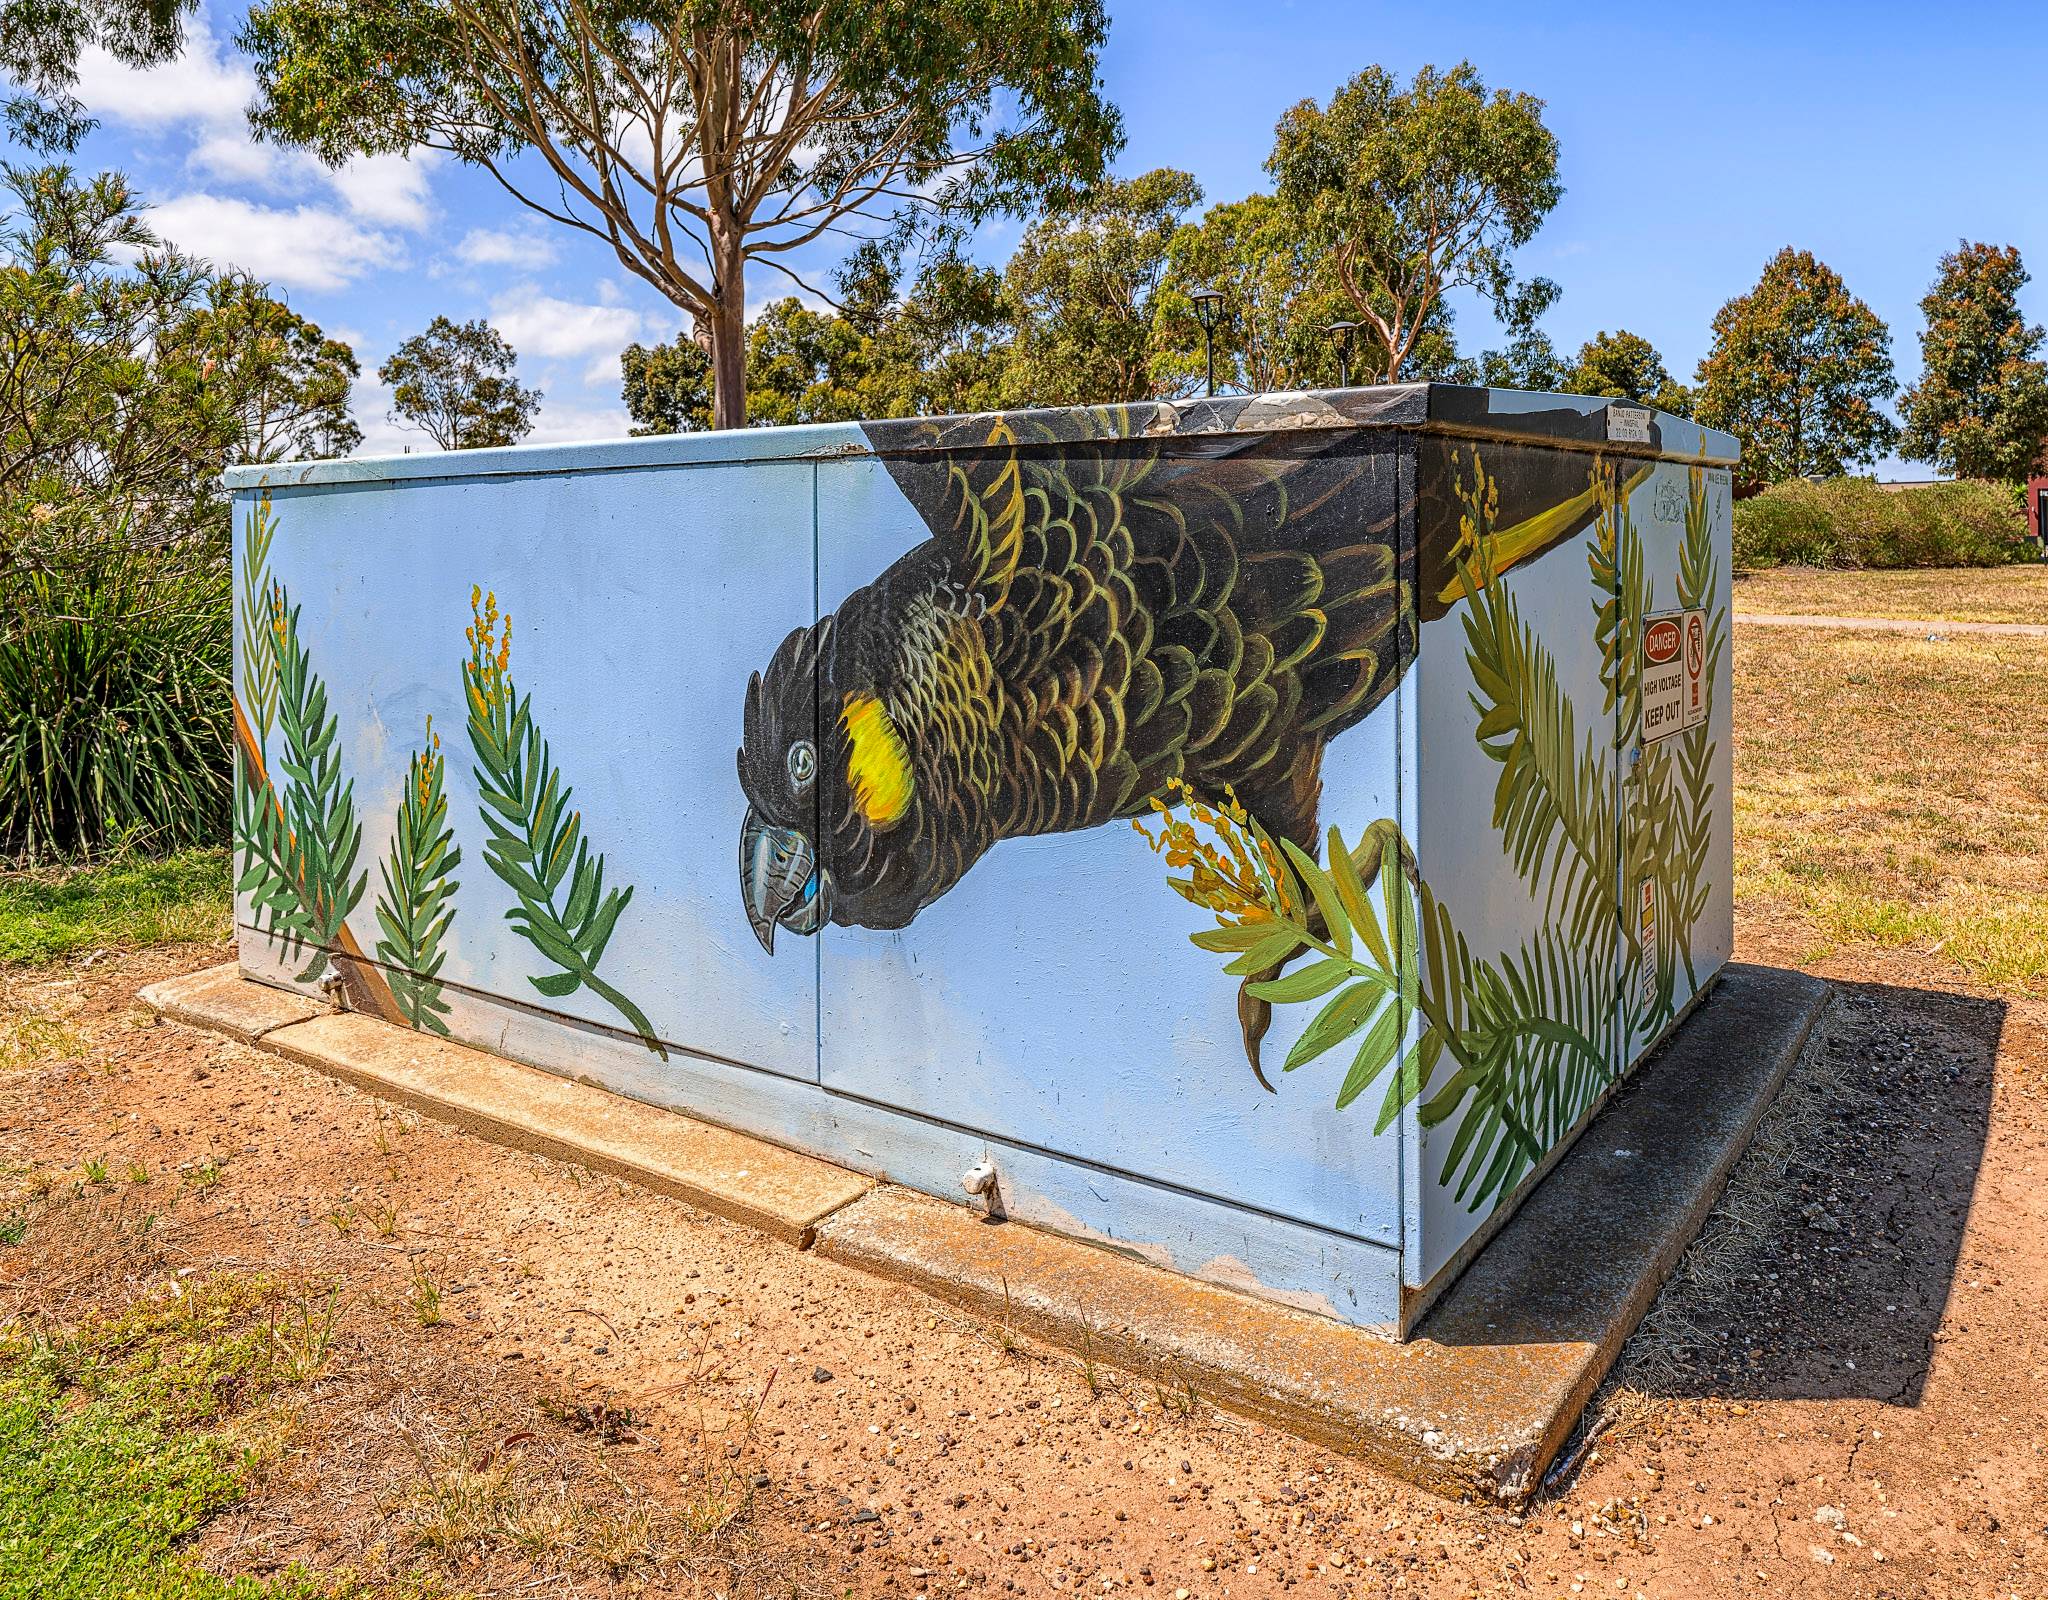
1841 1395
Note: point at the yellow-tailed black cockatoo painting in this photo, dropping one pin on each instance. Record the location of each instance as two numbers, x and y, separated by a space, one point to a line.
1091 618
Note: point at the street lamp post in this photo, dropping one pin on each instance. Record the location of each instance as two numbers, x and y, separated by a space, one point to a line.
1343 331
1207 303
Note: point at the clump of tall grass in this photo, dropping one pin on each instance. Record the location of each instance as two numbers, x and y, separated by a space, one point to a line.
115 716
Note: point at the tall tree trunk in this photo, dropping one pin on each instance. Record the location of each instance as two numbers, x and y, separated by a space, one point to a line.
728 332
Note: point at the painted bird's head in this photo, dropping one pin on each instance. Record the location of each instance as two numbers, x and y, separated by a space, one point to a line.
832 794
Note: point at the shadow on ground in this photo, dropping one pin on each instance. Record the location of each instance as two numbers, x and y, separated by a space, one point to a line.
1825 1270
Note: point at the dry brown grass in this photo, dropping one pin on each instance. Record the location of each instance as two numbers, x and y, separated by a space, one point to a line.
1954 594
1892 792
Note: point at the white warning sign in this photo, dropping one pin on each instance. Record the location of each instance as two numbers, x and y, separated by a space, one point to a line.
1646 939
1674 673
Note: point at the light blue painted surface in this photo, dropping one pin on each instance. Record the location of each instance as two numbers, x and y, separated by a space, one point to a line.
1048 1011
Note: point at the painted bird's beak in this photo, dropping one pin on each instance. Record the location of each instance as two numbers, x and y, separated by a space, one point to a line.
780 880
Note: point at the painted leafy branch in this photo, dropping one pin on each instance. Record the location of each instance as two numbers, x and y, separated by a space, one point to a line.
1521 1034
416 906
536 842
299 844
259 646
1527 1035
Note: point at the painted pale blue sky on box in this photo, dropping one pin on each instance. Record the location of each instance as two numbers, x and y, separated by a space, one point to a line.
1696 142
1051 999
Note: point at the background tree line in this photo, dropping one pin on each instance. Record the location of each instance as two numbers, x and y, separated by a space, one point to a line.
707 145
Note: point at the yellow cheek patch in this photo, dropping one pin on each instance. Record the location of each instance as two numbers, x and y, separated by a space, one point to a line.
877 764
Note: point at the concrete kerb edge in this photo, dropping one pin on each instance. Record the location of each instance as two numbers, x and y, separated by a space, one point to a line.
1506 1472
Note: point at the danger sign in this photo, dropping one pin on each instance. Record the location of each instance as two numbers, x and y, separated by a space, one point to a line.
1674 675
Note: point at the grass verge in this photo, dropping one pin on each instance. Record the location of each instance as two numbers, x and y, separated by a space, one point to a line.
1892 792
52 912
1943 594
122 1436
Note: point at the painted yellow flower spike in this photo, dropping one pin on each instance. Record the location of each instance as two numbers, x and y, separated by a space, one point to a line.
1239 874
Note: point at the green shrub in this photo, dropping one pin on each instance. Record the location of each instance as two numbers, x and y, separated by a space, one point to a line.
1854 522
115 717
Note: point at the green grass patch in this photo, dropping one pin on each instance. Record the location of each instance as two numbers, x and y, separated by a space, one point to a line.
48 913
119 1439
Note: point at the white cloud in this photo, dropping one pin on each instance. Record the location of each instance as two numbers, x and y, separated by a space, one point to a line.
506 247
235 158
388 189
206 91
573 424
203 84
539 325
305 247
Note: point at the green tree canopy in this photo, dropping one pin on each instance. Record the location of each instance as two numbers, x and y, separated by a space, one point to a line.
285 379
1797 372
1279 291
943 347
940 347
1626 366
697 137
455 383
1415 191
1084 292
666 387
1980 409
805 365
131 374
1528 360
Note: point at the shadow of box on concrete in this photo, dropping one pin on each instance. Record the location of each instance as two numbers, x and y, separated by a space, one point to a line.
1257 833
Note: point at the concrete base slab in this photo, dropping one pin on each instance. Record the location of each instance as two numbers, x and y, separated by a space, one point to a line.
748 1180
1476 1403
222 999
1480 1399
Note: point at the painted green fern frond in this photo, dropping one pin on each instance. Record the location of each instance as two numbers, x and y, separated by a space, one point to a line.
1553 803
267 864
301 840
416 906
1692 820
259 642
536 842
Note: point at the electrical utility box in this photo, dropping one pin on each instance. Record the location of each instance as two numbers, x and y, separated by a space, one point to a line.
1260 830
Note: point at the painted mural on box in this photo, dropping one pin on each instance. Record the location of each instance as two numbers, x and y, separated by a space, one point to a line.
1509 1049
298 837
1098 627
1097 621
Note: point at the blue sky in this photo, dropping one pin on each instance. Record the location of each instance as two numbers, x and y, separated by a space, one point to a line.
1696 142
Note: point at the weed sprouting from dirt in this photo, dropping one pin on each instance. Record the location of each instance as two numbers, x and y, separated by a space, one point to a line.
302 1327
424 1296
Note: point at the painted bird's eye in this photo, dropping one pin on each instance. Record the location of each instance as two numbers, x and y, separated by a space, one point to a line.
803 763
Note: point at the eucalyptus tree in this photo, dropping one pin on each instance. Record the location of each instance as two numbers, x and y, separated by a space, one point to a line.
455 383
1416 190
699 138
41 42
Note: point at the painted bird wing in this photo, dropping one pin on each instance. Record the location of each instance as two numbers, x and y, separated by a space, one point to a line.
1155 609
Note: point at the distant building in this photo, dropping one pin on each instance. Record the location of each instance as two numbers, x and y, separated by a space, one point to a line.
2037 506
